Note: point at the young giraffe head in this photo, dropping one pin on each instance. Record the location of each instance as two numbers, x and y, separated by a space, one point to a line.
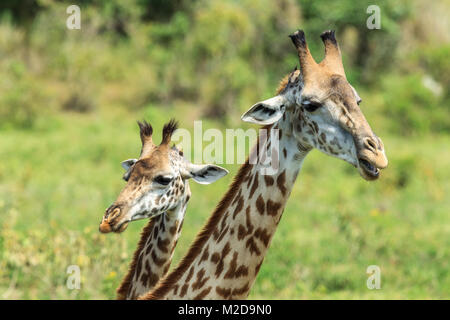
324 109
156 182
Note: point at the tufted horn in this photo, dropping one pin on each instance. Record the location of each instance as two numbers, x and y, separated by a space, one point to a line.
146 132
307 62
168 130
333 58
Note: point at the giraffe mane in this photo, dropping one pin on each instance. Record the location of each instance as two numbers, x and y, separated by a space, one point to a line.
285 81
283 84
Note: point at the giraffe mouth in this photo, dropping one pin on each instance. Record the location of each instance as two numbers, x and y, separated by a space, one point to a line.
121 227
369 171
111 221
106 227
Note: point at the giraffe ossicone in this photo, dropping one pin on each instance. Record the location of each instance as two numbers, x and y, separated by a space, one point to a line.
157 188
315 107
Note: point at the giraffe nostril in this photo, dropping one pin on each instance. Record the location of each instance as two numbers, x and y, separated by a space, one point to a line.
370 144
114 214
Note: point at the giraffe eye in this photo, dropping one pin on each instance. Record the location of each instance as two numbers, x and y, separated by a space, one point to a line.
311 106
163 180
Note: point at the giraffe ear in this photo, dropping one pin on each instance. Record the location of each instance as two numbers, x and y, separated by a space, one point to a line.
127 164
204 174
358 98
265 112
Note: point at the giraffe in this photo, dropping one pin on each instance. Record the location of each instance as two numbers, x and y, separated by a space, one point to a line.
315 107
157 188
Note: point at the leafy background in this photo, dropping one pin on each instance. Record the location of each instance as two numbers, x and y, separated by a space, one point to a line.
69 100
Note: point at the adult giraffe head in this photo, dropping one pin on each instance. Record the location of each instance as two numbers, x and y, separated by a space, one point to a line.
156 182
324 109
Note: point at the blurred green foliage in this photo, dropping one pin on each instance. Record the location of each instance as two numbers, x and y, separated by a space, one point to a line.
220 56
69 100
55 184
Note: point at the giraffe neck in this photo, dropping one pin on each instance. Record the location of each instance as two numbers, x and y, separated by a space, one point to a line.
225 259
154 253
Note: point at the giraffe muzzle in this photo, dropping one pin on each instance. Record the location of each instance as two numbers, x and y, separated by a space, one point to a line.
371 158
110 221
105 227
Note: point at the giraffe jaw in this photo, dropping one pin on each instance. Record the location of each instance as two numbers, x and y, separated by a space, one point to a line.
121 226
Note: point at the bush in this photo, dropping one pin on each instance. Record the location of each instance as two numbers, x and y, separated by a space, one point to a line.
436 61
411 107
22 100
231 51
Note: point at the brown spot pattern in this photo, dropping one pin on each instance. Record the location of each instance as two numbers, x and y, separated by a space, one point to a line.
251 245
234 271
269 180
203 294
239 206
159 262
281 181
254 186
220 265
184 290
201 280
205 255
260 205
263 235
163 245
190 274
215 257
273 207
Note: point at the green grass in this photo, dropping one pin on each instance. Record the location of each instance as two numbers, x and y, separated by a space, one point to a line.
56 181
